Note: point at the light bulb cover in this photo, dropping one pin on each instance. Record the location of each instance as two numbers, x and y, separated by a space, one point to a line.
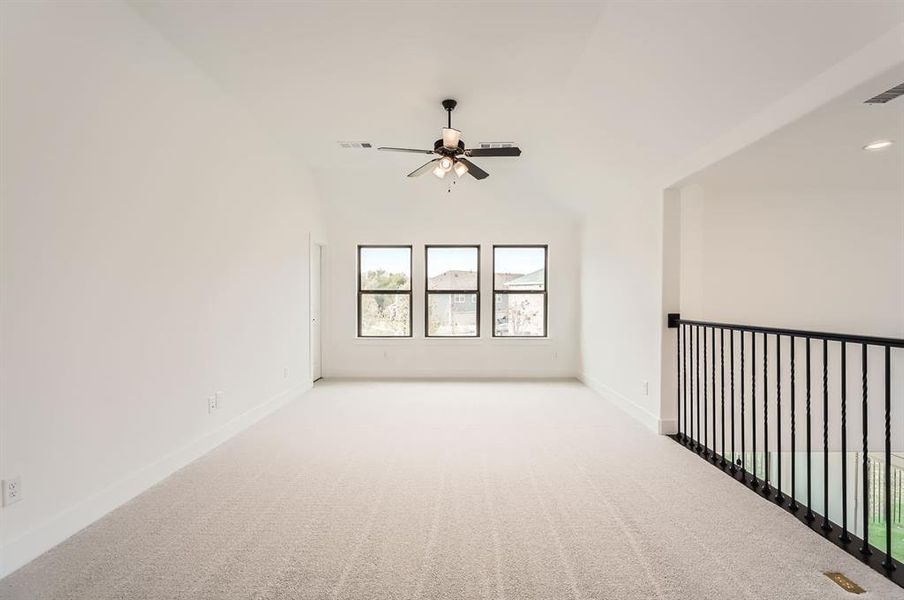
451 138
445 164
460 168
439 171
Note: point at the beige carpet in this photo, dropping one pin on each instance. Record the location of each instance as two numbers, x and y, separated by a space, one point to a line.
445 491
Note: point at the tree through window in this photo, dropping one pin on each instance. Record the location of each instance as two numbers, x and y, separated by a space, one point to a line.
384 291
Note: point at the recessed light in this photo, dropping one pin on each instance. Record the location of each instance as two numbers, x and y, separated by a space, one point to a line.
878 145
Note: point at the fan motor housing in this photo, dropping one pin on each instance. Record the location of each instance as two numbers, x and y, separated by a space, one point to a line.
440 149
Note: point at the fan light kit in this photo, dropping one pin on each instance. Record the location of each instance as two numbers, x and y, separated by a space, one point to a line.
453 156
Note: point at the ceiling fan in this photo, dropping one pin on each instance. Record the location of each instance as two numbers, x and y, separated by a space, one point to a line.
451 152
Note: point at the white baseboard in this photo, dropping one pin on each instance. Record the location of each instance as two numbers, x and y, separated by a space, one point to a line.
450 373
649 420
28 546
447 376
668 426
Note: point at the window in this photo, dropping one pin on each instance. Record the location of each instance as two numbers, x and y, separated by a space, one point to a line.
453 291
384 291
519 291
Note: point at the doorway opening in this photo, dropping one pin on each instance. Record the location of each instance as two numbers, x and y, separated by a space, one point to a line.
315 303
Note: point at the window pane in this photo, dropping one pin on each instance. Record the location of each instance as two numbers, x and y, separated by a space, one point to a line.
385 314
451 268
452 314
519 314
385 268
519 268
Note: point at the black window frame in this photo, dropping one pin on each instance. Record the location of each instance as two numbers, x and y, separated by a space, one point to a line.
428 291
544 291
409 292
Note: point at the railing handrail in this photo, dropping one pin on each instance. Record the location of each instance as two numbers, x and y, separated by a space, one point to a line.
757 357
816 335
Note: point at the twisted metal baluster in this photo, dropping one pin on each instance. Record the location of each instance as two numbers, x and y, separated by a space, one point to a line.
734 456
722 381
825 437
767 490
810 516
778 417
690 382
678 377
864 549
743 463
844 537
712 364
705 420
888 563
793 506
683 367
754 483
697 446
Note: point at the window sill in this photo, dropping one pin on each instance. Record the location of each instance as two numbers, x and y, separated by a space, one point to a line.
452 341
400 340
520 341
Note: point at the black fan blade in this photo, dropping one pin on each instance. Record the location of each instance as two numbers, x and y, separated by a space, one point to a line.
406 150
513 151
473 169
423 169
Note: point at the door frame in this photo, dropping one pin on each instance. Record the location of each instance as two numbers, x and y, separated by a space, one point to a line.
313 243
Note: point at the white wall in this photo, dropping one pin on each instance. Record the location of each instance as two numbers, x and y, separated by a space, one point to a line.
826 259
803 228
420 212
154 250
824 235
803 256
621 309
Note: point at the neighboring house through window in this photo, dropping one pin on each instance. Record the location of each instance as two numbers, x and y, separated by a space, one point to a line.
519 291
453 291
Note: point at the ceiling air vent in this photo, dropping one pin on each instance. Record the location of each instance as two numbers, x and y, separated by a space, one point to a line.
887 95
355 144
497 145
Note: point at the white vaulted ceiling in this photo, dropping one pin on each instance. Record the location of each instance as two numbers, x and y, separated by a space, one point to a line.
824 150
598 95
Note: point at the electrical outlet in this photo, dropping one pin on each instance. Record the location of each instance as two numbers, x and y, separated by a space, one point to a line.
12 490
645 387
211 404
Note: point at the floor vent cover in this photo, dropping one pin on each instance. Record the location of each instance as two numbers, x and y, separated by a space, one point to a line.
887 95
845 583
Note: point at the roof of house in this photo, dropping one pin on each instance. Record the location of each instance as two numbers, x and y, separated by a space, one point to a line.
452 280
502 279
536 278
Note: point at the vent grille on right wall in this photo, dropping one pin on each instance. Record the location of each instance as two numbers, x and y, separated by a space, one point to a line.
887 95
496 145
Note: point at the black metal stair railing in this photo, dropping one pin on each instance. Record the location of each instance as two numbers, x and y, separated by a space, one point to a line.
713 403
